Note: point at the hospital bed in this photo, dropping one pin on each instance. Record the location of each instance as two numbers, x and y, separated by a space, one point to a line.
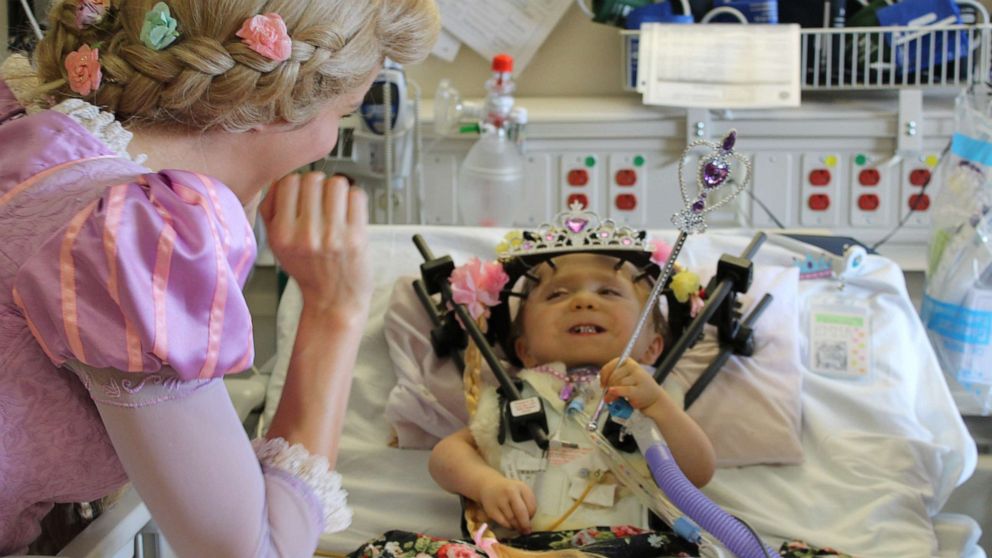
880 455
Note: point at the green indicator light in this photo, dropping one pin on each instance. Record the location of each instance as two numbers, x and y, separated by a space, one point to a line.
638 160
860 159
590 161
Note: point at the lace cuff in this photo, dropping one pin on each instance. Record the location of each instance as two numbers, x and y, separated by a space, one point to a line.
314 471
133 389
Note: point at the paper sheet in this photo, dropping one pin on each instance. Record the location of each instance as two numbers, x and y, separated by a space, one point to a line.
720 66
447 46
489 27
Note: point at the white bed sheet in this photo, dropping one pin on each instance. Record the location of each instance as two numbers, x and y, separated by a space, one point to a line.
882 455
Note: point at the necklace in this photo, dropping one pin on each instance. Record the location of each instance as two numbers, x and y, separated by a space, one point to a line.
572 379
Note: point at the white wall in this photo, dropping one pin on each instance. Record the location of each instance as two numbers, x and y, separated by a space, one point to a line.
579 58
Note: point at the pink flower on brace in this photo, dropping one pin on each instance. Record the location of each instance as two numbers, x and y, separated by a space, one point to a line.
660 250
477 285
89 12
267 35
83 70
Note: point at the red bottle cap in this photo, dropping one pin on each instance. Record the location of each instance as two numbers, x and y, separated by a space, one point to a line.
503 63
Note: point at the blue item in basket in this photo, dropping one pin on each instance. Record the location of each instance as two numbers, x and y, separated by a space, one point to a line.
660 12
755 11
655 13
911 48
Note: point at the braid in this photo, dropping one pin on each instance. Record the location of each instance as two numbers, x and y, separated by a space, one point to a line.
210 79
472 377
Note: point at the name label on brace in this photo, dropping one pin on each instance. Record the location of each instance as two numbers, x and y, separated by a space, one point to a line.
524 407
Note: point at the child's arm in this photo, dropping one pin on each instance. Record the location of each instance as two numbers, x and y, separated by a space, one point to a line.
689 445
457 466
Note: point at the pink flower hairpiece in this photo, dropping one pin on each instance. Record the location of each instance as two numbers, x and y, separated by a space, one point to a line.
267 35
90 12
477 285
660 250
83 70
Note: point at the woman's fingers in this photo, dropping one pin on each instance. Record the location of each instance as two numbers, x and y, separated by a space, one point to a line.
311 191
287 195
335 202
358 208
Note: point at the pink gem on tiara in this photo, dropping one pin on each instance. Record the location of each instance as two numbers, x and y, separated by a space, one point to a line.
576 224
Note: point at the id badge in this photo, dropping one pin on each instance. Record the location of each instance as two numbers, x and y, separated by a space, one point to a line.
839 337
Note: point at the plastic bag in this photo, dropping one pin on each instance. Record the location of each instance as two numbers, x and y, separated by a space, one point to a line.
957 306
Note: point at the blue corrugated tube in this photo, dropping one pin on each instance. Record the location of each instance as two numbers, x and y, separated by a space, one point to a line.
730 531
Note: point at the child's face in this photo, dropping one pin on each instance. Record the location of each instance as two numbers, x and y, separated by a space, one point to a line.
583 312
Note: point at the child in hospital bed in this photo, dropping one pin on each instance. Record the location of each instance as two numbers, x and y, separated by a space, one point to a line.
577 317
578 312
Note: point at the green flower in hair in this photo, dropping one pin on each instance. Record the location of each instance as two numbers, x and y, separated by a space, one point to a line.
159 29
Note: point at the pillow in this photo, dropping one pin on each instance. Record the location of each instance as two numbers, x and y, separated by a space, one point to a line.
751 411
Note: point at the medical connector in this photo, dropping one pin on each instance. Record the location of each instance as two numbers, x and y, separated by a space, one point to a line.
727 529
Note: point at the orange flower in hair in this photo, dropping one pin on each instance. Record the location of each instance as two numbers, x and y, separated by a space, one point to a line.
83 70
267 35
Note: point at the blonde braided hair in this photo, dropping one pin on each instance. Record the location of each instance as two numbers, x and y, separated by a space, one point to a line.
209 79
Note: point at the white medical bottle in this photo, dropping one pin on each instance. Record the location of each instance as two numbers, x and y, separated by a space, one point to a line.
490 180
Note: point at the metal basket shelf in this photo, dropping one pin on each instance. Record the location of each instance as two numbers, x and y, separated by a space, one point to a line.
877 58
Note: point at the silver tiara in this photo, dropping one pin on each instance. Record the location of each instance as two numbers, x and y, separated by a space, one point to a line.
576 229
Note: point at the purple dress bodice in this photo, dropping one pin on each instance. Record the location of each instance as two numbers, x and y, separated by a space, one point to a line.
101 262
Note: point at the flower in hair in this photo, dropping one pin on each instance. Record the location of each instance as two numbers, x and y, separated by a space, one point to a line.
477 285
159 29
90 12
512 239
83 70
684 284
660 250
267 35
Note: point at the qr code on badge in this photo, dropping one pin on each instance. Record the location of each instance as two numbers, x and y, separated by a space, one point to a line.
831 355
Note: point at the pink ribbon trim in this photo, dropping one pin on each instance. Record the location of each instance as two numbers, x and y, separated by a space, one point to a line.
485 544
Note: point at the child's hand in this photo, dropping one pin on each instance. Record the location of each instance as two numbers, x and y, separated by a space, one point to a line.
631 381
510 503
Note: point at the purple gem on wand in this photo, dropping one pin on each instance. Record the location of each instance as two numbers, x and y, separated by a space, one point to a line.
728 142
714 173
698 206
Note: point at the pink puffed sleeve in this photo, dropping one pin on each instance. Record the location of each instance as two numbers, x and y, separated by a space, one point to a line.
149 274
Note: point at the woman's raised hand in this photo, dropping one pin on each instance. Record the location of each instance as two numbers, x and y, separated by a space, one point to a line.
317 228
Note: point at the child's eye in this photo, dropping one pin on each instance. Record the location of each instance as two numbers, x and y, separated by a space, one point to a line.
609 291
557 293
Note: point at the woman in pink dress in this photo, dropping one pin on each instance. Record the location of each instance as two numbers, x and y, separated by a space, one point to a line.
131 149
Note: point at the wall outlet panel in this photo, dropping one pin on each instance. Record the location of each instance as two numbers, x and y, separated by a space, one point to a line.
821 179
872 203
911 184
579 180
627 195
